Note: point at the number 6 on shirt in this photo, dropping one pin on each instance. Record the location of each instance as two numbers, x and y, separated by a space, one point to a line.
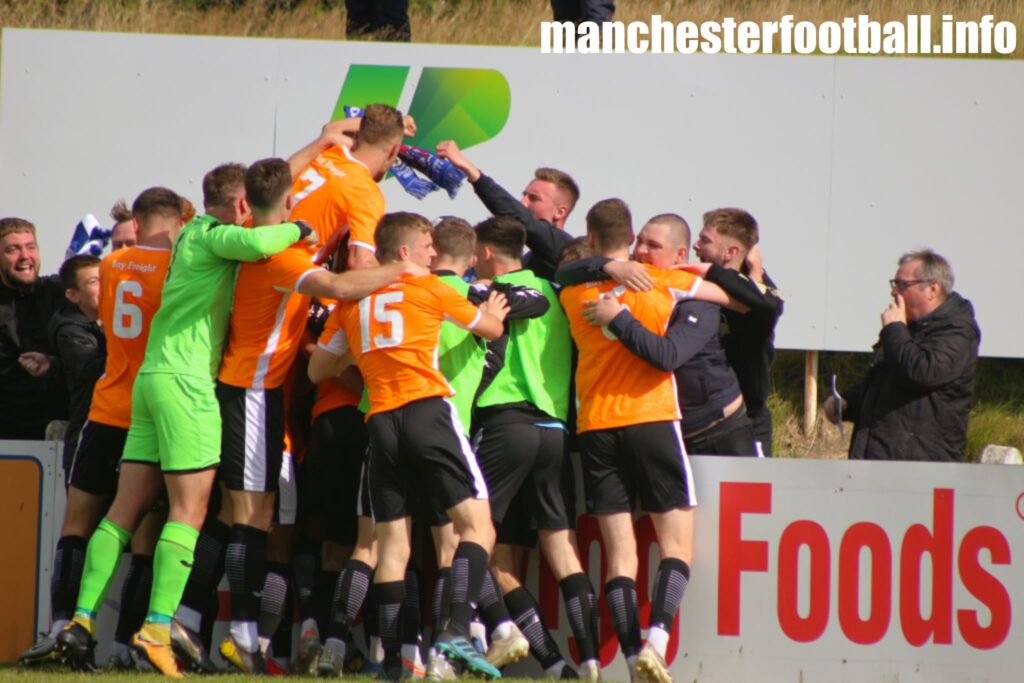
382 316
123 309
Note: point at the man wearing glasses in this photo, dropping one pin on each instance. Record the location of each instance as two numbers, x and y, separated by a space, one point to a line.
914 402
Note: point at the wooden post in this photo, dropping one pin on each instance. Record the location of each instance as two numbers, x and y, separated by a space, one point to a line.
810 391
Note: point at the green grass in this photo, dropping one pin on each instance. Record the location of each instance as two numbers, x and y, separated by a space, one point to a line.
10 673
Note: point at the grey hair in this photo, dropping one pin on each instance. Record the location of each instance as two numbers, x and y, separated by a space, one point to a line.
933 267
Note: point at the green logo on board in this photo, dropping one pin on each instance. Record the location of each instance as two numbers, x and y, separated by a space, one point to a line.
469 106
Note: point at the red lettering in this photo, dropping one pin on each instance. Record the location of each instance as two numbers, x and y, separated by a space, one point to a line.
547 593
813 536
734 554
938 543
985 587
871 629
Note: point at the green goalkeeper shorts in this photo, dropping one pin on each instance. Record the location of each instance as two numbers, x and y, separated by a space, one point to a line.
175 423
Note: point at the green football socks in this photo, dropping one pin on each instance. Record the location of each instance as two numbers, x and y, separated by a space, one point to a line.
102 556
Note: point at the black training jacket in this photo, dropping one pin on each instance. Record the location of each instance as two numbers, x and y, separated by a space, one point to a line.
917 395
749 338
544 239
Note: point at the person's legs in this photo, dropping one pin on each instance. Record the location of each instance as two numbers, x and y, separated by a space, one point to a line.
360 18
138 489
187 426
252 447
393 539
559 549
139 486
82 514
138 584
666 491
506 453
392 21
620 589
192 627
350 593
448 469
674 530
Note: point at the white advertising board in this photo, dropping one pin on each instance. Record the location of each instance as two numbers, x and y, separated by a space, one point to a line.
837 571
846 162
809 570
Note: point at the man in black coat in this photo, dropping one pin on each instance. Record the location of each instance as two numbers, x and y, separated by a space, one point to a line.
31 384
916 397
79 342
728 244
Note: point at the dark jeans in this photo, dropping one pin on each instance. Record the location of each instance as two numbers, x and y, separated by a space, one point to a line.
583 10
732 436
378 19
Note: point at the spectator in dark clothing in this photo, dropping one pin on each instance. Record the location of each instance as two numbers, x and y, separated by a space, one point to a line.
916 397
378 19
728 244
583 10
546 204
79 342
714 418
31 384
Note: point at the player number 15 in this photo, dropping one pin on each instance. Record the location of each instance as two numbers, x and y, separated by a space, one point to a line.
375 306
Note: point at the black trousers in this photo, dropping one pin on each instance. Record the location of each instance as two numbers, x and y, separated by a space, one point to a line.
583 10
380 19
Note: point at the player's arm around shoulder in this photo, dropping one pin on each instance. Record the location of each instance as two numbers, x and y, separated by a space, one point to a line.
486 320
236 243
491 323
687 285
356 284
331 355
524 302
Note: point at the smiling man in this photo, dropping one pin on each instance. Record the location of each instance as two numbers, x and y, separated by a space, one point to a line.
33 385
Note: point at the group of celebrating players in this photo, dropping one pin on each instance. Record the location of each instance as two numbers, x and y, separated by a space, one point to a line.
286 404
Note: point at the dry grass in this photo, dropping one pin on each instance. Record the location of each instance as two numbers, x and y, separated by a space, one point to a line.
471 22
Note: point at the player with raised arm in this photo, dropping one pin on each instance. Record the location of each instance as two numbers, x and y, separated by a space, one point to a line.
545 205
416 442
338 192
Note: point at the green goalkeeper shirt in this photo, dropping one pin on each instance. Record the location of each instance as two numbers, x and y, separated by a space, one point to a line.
187 333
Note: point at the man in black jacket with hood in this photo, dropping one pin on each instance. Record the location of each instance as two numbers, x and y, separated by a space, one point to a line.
916 397
79 342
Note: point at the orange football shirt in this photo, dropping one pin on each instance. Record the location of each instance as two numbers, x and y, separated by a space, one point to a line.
267 319
331 395
615 388
337 196
393 334
131 285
